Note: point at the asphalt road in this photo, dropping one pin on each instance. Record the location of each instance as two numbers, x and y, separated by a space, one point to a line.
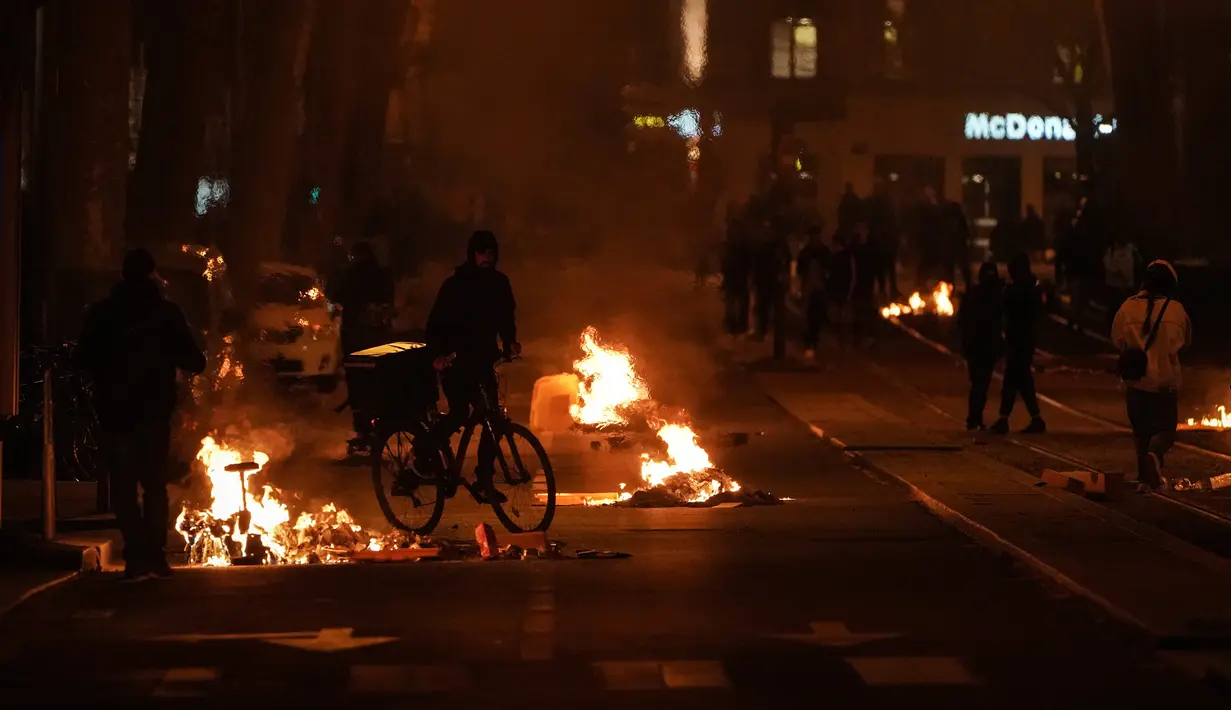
850 596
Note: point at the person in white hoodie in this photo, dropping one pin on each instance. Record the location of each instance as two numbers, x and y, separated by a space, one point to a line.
1152 398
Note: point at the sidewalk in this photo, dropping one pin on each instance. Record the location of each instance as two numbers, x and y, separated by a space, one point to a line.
1175 591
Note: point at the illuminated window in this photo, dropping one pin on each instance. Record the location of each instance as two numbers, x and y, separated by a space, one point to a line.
780 43
793 47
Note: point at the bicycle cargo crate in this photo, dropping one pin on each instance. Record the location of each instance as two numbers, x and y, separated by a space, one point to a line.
391 381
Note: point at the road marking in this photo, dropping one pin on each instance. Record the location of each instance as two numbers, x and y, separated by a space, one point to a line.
695 674
835 634
325 640
912 670
630 675
184 682
330 640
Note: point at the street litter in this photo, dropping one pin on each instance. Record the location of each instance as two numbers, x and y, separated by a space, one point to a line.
1220 481
602 555
612 398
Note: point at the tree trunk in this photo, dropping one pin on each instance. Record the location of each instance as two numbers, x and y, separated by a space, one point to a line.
185 86
85 139
1145 141
274 40
330 94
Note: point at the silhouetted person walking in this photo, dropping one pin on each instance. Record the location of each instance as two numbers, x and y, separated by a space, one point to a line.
812 264
133 342
980 320
1151 328
1023 306
884 238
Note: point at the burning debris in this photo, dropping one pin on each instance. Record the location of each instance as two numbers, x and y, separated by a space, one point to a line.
612 395
941 304
1219 422
246 524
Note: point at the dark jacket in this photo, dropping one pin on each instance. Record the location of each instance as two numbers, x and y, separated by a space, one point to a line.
132 343
1023 306
980 319
474 307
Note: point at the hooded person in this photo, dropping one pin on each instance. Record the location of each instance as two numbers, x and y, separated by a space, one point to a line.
471 325
1155 325
133 344
980 319
1023 306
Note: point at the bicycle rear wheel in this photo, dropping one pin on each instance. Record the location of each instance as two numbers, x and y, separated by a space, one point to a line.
410 499
525 477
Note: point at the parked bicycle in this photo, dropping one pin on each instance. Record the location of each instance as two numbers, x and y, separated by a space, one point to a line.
415 469
79 454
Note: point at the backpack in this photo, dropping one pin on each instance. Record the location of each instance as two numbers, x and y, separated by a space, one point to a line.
1133 362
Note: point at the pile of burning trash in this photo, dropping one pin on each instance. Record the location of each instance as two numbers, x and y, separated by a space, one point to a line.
940 304
246 524
613 399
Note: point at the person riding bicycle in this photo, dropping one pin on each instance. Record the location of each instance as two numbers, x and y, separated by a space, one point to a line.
474 308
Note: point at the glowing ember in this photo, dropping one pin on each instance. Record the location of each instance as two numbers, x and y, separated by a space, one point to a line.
255 524
609 384
941 304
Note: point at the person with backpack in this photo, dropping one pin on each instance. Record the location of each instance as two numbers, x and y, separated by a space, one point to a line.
979 321
1150 330
132 344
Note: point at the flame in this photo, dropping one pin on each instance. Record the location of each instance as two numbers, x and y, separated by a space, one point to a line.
608 383
609 386
940 297
941 304
1220 421
214 535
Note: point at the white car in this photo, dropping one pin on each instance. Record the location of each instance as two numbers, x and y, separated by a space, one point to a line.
296 329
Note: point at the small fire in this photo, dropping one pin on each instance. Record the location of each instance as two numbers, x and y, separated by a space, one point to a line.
245 523
940 297
609 385
1221 421
941 304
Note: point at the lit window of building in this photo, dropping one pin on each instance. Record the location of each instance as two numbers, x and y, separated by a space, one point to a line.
793 49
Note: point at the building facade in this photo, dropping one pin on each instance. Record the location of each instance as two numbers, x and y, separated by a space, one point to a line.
971 97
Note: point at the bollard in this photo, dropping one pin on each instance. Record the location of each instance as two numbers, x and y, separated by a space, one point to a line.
49 462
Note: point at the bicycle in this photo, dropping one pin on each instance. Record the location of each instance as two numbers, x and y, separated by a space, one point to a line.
79 453
429 474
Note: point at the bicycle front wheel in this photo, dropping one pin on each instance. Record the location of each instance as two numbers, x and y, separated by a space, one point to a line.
525 478
411 500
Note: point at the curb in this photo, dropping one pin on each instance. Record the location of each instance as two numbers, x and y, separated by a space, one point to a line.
1212 673
31 593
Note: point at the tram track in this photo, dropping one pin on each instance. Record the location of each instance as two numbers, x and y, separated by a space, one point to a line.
1190 507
